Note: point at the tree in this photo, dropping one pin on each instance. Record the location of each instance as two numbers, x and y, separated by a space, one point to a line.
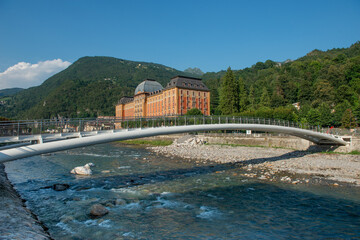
265 98
259 66
251 97
277 98
348 119
269 64
242 95
214 101
194 112
324 92
325 115
264 112
313 117
305 91
345 92
336 76
339 112
229 94
357 113
286 113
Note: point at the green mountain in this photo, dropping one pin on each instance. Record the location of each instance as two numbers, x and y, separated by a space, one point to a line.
9 91
194 71
89 87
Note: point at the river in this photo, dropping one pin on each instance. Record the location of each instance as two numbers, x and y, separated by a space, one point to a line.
170 198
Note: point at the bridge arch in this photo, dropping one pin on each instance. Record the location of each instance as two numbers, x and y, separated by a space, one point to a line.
49 147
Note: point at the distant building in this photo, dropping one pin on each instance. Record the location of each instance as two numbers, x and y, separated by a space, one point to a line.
297 105
151 99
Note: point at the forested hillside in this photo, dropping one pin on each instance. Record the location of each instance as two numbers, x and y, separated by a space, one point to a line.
89 87
326 84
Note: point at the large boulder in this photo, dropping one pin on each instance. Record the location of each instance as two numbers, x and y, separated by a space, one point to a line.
60 187
120 201
98 210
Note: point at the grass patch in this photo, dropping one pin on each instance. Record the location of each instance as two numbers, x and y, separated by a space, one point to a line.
355 152
148 142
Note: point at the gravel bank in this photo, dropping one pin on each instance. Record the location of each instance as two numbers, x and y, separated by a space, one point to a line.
16 221
272 164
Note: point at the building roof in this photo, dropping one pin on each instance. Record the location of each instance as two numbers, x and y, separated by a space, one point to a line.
148 85
125 100
187 83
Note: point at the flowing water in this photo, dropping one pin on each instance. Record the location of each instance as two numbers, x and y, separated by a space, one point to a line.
156 197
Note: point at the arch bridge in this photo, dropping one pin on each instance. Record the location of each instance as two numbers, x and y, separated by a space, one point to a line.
28 138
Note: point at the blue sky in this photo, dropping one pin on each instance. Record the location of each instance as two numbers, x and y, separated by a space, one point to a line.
211 35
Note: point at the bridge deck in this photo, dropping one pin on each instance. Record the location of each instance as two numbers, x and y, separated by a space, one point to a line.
58 142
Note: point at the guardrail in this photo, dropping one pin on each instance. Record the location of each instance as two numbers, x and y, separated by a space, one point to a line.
66 125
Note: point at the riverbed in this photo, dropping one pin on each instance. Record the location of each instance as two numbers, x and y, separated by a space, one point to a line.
152 196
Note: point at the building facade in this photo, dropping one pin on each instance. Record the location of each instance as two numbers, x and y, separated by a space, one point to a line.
152 100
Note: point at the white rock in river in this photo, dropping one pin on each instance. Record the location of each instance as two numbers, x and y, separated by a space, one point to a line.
83 170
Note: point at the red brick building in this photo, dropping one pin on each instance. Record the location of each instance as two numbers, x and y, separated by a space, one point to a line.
151 99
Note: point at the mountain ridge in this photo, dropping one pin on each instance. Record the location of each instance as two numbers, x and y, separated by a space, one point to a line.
70 92
91 86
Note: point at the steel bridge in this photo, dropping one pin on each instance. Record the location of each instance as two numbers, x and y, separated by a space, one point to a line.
26 138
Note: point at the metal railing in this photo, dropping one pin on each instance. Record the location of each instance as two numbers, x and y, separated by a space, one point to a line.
67 125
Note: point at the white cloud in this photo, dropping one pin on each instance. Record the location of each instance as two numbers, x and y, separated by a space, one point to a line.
25 75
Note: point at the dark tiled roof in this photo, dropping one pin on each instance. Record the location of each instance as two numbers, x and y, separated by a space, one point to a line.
125 100
187 83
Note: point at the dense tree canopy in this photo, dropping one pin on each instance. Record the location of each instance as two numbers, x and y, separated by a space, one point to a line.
325 84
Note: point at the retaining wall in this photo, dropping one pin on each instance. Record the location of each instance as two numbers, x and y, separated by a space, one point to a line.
270 140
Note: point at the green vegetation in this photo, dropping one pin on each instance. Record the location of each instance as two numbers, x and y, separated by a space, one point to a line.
194 71
355 152
194 112
229 94
148 142
326 84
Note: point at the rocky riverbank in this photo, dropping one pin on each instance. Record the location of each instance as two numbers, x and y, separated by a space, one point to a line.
16 221
272 164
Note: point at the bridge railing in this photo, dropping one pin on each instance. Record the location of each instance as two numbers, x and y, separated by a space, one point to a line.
64 125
